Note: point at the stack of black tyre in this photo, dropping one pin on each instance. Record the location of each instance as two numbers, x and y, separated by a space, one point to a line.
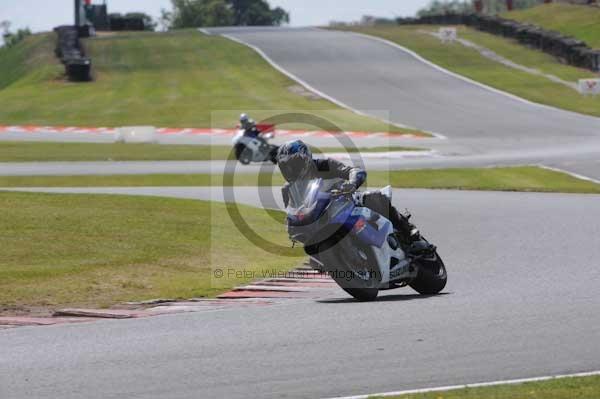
570 50
78 67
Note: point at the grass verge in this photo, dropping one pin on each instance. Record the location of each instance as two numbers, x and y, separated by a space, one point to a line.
563 388
526 178
95 250
174 79
470 63
578 21
20 151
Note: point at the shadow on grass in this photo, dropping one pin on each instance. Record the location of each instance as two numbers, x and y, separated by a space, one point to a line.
385 298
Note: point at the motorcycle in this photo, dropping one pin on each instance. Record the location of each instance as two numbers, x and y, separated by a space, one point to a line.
254 149
356 246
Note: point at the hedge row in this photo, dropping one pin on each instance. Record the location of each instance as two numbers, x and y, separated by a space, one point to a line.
572 51
69 50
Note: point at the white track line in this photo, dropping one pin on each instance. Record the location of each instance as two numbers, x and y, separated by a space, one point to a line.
464 78
307 86
575 175
477 385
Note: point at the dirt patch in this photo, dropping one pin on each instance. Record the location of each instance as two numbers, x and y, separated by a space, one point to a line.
302 91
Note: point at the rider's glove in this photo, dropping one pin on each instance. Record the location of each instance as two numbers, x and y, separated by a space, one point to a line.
348 187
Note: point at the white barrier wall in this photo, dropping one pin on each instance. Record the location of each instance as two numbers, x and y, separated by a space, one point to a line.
589 86
136 134
448 34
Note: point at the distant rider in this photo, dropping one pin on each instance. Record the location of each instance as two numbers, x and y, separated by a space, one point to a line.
296 162
249 127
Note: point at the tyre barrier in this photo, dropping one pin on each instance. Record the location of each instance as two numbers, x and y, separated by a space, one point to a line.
69 50
120 23
568 49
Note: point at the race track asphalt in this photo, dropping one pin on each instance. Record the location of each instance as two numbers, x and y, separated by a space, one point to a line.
522 301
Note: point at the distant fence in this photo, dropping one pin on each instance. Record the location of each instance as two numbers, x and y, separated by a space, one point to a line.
573 51
69 50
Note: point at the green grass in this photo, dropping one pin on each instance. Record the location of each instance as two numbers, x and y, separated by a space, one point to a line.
174 79
564 388
527 178
468 62
94 250
20 151
29 63
580 22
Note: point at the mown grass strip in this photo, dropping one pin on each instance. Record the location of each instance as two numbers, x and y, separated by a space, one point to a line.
24 151
526 178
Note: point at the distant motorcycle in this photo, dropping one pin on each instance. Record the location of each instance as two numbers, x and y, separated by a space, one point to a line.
356 246
255 148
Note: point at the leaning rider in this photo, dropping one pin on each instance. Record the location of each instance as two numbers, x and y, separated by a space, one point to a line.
296 163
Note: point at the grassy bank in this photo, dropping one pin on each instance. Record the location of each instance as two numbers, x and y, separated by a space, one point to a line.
578 21
470 63
174 79
19 151
79 250
532 179
565 388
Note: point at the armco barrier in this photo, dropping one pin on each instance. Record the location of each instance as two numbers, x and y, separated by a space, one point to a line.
69 50
572 51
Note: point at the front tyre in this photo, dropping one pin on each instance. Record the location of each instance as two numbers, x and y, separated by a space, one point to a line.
353 266
432 276
243 154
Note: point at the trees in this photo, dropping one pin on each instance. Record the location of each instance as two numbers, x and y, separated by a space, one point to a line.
257 12
197 13
149 23
12 38
437 7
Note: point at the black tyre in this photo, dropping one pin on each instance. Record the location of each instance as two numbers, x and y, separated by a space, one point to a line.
432 276
273 154
353 267
243 154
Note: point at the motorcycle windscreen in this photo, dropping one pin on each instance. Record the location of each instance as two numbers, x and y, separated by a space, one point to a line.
306 201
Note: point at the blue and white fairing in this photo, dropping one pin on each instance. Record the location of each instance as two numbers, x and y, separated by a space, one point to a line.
309 199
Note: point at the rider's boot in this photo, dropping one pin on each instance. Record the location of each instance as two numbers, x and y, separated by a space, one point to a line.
410 236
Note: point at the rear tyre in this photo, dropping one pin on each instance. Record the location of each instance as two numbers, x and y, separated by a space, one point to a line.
432 277
273 156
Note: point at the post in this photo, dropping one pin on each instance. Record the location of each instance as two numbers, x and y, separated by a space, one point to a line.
77 12
509 5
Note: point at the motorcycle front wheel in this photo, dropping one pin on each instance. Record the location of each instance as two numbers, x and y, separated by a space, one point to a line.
243 154
355 275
